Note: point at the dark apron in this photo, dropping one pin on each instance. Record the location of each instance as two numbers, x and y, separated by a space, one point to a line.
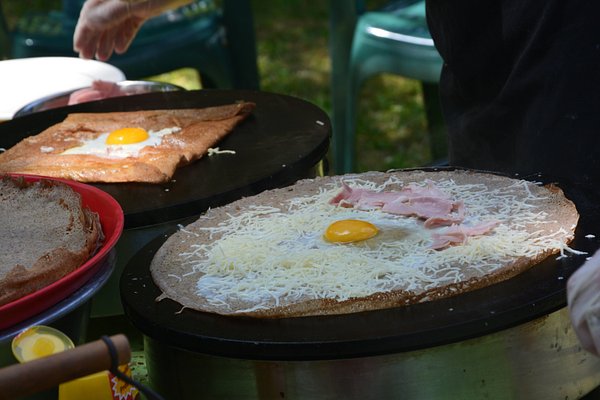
520 87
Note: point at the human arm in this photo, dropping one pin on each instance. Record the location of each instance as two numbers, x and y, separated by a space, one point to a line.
107 26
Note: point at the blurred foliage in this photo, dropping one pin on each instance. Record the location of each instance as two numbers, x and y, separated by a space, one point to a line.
293 58
13 8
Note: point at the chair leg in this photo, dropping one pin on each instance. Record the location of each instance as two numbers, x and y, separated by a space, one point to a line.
342 22
241 39
435 121
352 102
4 37
205 81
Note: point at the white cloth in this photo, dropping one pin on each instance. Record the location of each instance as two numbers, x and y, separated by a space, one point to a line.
583 294
25 80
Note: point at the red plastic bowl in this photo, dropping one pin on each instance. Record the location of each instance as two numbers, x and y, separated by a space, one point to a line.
111 219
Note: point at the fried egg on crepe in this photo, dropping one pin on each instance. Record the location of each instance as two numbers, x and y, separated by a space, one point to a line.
134 146
352 243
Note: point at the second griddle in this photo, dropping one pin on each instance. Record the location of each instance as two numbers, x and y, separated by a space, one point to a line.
279 143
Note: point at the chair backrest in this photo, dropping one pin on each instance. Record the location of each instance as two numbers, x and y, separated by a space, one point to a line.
4 37
71 9
225 27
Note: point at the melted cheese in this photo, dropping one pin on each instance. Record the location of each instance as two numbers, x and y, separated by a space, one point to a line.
268 256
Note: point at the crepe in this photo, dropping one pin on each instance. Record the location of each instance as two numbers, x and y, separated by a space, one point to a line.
190 133
266 255
46 234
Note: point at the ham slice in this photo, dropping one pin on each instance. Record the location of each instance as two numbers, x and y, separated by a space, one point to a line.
448 219
426 202
422 207
364 199
459 234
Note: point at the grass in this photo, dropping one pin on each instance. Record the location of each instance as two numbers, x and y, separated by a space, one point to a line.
293 59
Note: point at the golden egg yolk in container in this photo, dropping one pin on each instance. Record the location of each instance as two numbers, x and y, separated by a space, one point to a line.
127 136
39 341
350 230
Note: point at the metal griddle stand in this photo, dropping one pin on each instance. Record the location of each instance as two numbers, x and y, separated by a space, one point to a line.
512 338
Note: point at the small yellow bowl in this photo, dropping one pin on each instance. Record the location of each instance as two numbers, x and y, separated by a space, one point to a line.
39 341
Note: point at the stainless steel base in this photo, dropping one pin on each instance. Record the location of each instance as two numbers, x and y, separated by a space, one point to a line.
541 359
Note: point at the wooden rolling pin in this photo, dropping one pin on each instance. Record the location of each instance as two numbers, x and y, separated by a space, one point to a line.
44 373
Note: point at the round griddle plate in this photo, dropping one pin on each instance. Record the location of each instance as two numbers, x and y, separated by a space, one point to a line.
280 142
534 293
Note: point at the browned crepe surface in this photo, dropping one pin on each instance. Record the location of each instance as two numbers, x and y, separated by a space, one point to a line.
174 277
201 129
46 234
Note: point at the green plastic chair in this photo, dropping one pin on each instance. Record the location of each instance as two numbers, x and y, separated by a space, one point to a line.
218 42
4 38
393 39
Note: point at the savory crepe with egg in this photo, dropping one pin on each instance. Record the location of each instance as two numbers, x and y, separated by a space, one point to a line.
134 146
360 242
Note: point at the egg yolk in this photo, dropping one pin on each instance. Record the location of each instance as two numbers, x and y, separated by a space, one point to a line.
350 230
43 347
127 136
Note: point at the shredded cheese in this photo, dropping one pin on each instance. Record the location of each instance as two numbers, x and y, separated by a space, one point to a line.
215 150
269 256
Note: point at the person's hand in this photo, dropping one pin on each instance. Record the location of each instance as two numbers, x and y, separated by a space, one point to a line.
583 293
105 26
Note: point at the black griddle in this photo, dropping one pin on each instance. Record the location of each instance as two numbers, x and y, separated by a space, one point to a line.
283 139
532 294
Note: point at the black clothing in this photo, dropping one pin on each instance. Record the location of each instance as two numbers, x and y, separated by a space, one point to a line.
520 86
